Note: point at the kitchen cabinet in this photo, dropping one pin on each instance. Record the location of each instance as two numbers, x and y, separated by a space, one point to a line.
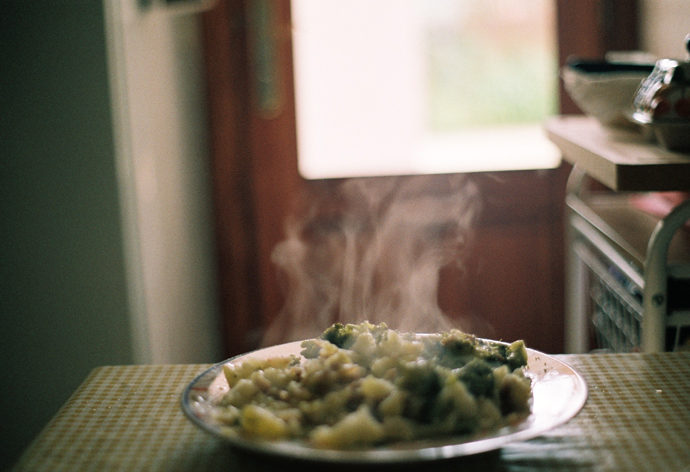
628 265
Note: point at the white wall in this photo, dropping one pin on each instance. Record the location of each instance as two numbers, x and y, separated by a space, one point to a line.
663 27
105 216
156 71
63 296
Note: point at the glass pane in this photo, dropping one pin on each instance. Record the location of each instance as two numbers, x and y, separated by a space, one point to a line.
411 86
489 62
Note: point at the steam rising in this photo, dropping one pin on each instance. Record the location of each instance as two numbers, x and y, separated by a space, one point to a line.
373 250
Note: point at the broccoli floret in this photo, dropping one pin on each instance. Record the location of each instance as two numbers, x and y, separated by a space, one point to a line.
419 378
339 334
492 352
514 393
423 383
516 355
456 349
458 343
478 377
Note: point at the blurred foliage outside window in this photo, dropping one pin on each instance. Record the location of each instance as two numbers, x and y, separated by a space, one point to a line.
386 87
490 62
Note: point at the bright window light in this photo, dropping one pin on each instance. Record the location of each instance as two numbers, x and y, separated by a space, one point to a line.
391 87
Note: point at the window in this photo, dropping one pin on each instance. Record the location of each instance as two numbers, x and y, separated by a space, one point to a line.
389 87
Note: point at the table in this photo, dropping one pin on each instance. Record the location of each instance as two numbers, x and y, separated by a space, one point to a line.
637 417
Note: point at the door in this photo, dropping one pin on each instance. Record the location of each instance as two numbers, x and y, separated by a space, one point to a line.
510 282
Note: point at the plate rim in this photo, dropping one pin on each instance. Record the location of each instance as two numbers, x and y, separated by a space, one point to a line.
384 455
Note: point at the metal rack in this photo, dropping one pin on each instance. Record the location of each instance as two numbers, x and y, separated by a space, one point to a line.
623 296
628 272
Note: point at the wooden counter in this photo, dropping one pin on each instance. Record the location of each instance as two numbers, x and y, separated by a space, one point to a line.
621 159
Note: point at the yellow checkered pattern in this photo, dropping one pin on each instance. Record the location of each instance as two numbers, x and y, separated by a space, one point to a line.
637 418
128 418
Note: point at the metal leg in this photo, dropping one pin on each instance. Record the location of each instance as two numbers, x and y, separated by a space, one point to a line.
655 289
576 318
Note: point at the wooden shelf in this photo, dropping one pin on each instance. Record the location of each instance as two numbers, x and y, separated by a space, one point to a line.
621 159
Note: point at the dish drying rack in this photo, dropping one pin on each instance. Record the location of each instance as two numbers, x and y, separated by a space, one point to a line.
628 271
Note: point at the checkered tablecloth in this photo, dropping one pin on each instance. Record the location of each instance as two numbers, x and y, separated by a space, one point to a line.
128 418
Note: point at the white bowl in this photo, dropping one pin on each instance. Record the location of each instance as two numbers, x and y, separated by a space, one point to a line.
606 96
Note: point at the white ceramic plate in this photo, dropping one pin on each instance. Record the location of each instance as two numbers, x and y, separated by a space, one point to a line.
558 394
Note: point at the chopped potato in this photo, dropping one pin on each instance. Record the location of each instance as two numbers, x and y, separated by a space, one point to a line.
261 422
359 427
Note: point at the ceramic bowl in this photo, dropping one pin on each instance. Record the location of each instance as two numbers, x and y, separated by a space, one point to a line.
604 90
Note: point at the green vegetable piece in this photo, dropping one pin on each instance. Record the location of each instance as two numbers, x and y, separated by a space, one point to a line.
514 394
423 383
456 349
339 334
517 355
492 352
478 377
459 343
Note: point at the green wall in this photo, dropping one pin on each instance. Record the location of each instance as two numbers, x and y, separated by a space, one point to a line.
63 298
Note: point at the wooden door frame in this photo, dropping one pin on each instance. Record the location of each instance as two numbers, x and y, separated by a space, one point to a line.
254 150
